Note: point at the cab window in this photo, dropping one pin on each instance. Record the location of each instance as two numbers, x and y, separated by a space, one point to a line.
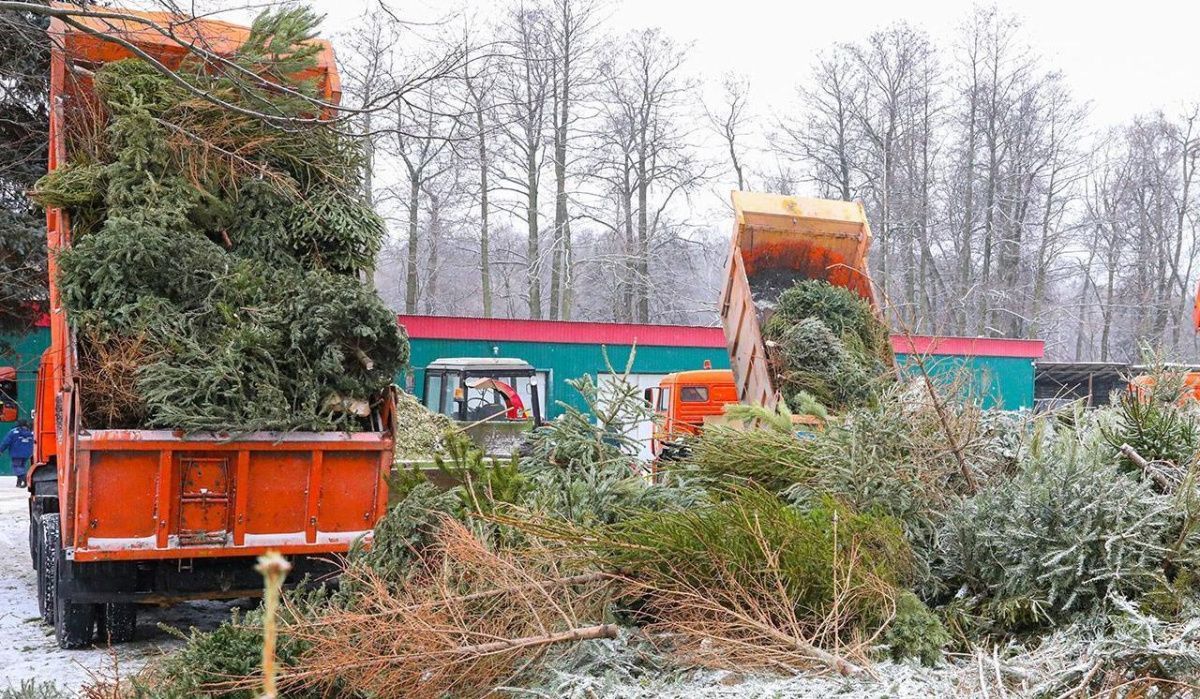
693 394
664 399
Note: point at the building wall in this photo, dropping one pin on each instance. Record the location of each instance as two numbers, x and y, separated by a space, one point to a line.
1001 382
24 353
563 360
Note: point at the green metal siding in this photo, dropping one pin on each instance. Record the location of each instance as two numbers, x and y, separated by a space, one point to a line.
563 361
1001 382
23 353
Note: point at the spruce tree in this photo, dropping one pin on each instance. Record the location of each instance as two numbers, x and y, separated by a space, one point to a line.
25 67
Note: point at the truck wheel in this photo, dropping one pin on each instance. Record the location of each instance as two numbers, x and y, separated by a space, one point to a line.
35 532
74 623
116 622
47 566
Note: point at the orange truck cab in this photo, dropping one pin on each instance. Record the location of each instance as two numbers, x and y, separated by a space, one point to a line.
683 400
126 516
9 409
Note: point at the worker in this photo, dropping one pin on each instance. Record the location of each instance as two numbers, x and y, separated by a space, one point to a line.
19 445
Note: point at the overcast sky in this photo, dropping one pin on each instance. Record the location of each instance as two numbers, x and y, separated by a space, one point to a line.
1125 58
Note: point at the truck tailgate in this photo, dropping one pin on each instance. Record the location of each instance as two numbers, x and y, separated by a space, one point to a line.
156 494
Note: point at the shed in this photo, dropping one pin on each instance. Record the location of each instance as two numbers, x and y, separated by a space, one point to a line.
997 371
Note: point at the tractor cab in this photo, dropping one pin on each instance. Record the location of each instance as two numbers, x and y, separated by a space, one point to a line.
8 394
483 390
497 401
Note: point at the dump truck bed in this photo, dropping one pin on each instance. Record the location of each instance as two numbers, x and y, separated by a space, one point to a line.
778 241
144 494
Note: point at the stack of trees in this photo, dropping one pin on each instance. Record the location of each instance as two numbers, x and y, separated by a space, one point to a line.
213 277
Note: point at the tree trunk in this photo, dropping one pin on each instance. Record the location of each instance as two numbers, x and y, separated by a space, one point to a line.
410 273
485 261
533 251
562 115
435 234
643 260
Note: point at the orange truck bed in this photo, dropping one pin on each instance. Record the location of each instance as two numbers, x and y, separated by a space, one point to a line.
777 241
122 516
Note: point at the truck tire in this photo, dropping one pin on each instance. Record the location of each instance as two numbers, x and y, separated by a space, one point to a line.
116 622
35 532
74 623
47 577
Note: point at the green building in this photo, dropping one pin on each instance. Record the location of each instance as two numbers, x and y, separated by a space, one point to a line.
23 353
999 372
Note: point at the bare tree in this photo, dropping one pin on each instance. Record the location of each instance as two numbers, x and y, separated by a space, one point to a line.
524 94
823 136
646 92
730 121
573 27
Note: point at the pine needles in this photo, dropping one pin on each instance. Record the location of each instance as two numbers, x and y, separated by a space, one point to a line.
229 249
826 343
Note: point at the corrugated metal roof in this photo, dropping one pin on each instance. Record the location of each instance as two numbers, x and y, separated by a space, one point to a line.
514 330
968 346
573 332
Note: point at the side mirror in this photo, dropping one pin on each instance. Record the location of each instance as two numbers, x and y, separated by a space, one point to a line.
651 396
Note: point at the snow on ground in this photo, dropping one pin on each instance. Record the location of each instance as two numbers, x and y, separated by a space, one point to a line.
27 647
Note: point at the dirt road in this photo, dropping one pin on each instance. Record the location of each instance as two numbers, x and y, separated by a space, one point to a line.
27 647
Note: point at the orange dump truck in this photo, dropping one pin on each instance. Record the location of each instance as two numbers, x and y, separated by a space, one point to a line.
121 517
777 241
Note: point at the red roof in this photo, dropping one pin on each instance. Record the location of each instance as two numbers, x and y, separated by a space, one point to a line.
515 330
503 329
968 346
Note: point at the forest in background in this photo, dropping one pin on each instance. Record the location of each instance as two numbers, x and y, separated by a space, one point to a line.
535 161
566 171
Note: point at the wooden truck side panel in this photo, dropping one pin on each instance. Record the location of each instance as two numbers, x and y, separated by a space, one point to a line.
778 240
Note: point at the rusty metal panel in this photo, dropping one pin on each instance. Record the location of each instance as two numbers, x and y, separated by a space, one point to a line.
777 241
204 499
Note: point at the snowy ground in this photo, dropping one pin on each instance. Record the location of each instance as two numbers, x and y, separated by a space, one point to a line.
27 647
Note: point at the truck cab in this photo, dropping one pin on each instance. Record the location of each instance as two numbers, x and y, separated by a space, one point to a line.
684 399
8 394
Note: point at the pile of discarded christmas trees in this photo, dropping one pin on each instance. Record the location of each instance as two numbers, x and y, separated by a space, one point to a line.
901 550
215 276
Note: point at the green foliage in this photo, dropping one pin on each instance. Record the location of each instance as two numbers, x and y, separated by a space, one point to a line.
222 663
1157 429
406 532
828 346
29 689
770 456
484 483
583 467
1069 530
750 531
24 121
72 185
915 632
334 231
232 245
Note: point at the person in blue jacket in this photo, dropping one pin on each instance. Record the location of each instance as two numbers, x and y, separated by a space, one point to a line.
19 445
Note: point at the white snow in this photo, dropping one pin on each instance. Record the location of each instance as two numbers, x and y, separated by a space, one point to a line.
344 537
284 539
27 647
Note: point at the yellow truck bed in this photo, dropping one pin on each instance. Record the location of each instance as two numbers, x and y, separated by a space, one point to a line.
777 241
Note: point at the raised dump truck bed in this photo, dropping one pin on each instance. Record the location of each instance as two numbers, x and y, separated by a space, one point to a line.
777 241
